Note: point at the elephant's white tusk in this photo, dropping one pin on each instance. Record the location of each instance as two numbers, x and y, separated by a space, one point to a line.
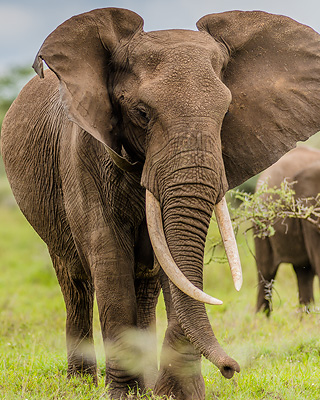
164 257
229 241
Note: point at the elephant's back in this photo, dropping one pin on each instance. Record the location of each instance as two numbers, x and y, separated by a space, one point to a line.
309 181
289 166
30 121
30 139
27 109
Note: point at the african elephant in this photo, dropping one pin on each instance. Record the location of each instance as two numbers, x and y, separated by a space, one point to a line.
174 116
297 241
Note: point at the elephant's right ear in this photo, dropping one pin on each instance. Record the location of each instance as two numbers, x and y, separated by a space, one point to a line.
274 78
79 52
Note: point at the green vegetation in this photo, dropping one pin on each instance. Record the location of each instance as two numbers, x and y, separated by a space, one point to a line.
268 205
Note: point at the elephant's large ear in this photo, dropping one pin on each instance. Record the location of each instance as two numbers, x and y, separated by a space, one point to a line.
79 53
274 77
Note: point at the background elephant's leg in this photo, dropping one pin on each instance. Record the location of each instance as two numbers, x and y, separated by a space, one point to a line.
311 236
78 295
305 277
180 366
267 270
116 299
147 293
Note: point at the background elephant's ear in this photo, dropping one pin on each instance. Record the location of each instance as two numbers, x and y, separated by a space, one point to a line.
79 53
274 77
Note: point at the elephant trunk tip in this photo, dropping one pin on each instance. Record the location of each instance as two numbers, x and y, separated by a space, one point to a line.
228 371
229 368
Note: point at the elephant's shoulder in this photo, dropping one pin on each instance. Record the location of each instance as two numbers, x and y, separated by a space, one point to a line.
38 88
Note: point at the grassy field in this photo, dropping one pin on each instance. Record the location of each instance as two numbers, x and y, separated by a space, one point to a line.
279 357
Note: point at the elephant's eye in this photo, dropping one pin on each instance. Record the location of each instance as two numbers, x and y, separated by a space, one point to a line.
143 115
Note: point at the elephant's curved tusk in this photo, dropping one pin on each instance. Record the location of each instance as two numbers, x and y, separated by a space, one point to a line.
229 241
164 257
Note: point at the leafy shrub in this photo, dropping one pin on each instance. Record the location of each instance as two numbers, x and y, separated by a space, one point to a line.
267 206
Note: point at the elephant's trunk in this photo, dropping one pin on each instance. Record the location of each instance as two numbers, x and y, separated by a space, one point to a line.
187 195
186 238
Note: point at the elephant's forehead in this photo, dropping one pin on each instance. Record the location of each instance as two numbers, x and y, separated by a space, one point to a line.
159 46
175 36
162 40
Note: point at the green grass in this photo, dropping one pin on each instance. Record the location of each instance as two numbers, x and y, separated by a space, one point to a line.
279 357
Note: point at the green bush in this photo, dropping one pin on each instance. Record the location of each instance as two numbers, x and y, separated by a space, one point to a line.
267 206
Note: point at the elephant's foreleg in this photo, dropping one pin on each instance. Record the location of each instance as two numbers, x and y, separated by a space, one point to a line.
116 299
147 293
305 276
78 295
180 367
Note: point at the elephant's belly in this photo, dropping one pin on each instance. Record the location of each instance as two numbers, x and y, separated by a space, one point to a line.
289 249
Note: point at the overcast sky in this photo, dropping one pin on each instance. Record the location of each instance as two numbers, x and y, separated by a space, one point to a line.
24 24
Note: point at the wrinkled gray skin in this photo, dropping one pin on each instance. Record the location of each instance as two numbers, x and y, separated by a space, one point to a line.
157 102
296 241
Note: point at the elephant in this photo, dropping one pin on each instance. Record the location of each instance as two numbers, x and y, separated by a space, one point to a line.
296 241
118 153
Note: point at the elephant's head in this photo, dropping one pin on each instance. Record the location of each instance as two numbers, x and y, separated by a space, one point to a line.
196 111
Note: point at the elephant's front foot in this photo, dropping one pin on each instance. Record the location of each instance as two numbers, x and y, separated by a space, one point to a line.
121 391
121 383
83 369
171 383
81 355
180 370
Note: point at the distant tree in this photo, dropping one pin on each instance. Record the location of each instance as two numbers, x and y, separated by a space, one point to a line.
11 83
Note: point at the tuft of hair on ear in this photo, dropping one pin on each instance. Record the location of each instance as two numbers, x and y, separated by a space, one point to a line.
38 66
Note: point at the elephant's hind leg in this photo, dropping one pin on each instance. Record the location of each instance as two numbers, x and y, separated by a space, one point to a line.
78 295
305 277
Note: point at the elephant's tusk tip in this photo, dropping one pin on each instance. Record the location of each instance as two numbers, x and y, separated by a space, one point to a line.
214 302
238 284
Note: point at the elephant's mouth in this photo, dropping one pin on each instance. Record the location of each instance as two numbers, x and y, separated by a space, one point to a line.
165 259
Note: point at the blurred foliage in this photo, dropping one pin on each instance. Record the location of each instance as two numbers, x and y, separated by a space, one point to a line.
11 83
260 211
267 206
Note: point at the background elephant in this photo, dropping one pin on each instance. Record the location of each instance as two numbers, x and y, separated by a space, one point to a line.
296 241
121 111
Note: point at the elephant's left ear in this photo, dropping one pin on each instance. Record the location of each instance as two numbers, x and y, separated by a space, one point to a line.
274 77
